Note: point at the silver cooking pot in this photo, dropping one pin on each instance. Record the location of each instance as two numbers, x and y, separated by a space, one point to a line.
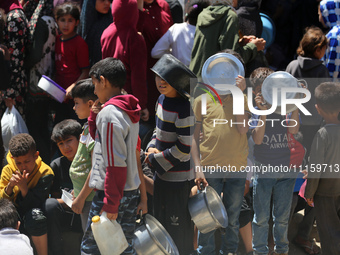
151 238
207 211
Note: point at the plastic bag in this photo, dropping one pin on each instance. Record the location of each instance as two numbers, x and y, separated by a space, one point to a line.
11 125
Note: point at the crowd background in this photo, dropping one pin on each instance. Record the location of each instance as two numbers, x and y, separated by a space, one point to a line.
35 40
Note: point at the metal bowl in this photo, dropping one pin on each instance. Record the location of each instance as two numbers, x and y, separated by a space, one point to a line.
221 69
151 238
280 80
207 211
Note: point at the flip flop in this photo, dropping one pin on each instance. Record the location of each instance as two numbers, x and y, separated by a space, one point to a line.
308 246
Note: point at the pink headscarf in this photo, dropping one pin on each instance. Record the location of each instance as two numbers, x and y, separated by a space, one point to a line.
9 5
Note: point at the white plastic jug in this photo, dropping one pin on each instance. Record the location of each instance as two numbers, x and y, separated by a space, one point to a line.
109 235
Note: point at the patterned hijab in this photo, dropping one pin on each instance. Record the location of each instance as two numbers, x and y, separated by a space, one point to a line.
36 9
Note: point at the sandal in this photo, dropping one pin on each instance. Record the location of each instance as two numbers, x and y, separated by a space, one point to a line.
308 246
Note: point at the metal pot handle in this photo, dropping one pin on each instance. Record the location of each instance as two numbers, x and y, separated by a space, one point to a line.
141 218
202 187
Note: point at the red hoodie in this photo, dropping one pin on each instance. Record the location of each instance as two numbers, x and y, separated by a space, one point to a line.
127 103
116 177
121 40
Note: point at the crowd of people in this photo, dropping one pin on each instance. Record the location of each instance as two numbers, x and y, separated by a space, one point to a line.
131 136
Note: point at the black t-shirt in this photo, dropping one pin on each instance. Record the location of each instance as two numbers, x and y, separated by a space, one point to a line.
62 180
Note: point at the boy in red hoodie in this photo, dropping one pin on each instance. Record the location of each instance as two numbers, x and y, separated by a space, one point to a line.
114 173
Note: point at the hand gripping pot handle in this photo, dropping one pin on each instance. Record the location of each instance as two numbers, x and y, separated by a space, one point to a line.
207 210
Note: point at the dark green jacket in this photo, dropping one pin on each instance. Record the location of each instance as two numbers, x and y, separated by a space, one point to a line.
217 29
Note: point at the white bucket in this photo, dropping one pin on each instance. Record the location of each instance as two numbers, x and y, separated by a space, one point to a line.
109 235
52 88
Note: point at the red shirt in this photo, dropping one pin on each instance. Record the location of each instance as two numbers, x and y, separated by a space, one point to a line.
71 56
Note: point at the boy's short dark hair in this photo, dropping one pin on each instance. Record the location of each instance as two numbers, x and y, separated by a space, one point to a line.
21 144
111 69
327 96
259 75
67 8
8 214
84 89
65 129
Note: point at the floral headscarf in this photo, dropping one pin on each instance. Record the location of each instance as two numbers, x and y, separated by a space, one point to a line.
36 9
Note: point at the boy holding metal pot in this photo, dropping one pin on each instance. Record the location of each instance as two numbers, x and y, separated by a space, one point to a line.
223 151
169 151
278 157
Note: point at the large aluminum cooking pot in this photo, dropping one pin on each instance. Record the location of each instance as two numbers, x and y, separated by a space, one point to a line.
280 80
151 238
207 211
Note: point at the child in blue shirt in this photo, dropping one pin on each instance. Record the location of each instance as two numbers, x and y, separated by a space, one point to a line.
275 147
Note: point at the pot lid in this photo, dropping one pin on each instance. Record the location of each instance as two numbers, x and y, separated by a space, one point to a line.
221 69
278 80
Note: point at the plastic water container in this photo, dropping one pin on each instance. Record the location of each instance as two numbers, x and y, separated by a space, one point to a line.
109 235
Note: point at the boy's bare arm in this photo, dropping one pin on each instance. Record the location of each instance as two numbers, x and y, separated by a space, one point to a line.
294 125
242 119
79 201
258 132
142 188
148 184
84 75
195 154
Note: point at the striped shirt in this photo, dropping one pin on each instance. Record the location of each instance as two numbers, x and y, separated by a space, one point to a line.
172 137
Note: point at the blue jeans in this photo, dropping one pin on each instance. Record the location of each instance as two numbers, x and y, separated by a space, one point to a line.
281 189
233 189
